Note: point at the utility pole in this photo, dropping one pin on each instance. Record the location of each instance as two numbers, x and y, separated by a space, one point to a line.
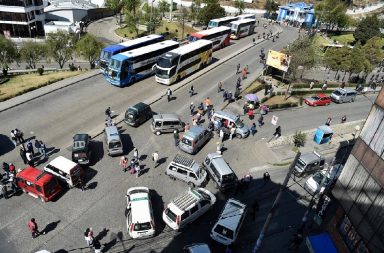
170 11
150 21
275 205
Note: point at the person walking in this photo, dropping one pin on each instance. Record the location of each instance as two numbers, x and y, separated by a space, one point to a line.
13 137
255 208
23 154
88 240
261 120
108 112
266 177
191 91
82 184
30 148
328 122
221 135
192 108
277 133
219 86
176 137
187 127
244 73
169 94
38 146
19 135
238 83
135 153
225 96
238 68
232 132
32 225
155 158
253 129
343 119
43 149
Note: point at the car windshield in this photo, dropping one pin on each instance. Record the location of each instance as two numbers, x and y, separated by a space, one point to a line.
336 92
170 214
318 177
142 226
300 163
206 196
239 123
114 144
315 97
49 187
224 231
186 141
229 178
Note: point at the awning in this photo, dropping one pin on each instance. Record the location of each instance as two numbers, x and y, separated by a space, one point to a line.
321 243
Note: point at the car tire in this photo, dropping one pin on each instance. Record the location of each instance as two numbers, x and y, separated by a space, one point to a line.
239 136
192 185
157 132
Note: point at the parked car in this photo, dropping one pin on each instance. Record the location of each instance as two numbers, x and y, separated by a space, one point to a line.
65 170
313 183
137 114
343 95
194 139
140 221
197 248
81 152
319 99
308 163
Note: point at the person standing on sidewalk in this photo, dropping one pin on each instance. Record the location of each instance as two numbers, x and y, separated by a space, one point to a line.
343 119
266 177
328 122
253 129
38 146
191 91
13 137
32 225
219 86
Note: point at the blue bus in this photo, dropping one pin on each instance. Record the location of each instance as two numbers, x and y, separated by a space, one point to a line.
112 50
128 67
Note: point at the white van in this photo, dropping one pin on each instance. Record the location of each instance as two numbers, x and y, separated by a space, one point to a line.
343 96
140 221
227 227
65 170
314 182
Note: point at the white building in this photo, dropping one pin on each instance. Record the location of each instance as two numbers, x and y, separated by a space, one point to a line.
21 18
67 10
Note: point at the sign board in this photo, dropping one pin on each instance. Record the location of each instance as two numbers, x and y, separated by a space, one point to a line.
274 120
278 60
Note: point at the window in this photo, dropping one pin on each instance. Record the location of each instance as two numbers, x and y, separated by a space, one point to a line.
192 175
182 172
194 209
38 188
29 183
157 124
167 123
184 215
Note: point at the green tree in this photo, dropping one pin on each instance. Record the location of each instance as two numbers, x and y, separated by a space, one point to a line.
60 46
132 6
116 6
8 53
32 52
133 21
163 7
367 28
332 13
195 10
211 10
89 48
358 61
240 6
373 50
271 6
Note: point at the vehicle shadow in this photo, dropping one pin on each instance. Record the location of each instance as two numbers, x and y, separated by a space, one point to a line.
158 208
90 173
127 143
97 152
6 144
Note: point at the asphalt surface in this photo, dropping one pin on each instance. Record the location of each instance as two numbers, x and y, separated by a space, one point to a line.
54 118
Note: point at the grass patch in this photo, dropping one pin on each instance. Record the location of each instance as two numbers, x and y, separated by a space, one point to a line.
344 39
20 84
319 41
253 88
275 100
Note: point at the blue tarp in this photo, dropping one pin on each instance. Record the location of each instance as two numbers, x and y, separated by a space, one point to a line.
323 134
321 243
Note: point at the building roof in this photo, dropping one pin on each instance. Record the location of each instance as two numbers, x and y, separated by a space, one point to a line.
69 5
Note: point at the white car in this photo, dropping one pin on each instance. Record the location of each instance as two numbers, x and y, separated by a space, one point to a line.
197 248
140 221
313 183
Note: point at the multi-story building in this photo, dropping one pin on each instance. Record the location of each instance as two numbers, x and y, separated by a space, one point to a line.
22 18
358 223
297 14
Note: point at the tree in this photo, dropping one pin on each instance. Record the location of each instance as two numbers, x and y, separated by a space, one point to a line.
299 139
116 6
271 6
163 7
368 28
337 59
89 48
133 21
358 61
59 46
8 53
373 50
195 10
211 10
184 14
132 6
32 52
332 13
239 5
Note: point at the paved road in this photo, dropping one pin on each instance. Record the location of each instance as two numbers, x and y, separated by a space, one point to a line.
56 117
104 30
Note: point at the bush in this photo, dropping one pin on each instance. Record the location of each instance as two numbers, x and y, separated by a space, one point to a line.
166 29
40 71
299 139
301 99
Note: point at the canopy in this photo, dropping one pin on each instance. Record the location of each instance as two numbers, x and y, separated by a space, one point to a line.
321 243
252 97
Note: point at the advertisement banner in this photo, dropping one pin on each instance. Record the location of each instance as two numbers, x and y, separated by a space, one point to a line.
278 60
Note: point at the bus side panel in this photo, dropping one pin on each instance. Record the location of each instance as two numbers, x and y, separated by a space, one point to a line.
227 40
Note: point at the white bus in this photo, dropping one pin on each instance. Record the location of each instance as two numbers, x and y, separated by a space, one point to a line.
226 21
180 62
242 28
220 36
128 67
246 16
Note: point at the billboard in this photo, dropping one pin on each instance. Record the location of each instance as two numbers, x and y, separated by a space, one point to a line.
278 60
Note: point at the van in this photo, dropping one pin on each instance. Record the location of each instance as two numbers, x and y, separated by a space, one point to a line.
194 139
166 123
343 96
227 227
65 170
38 184
220 172
140 219
222 118
187 170
113 141
314 184
188 207
81 152
308 163
137 114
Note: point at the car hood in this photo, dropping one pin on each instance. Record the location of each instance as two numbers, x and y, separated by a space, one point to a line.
311 100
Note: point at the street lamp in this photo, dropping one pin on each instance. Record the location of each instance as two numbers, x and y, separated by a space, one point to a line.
150 22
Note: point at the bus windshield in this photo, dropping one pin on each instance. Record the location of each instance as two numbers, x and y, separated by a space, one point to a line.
105 55
212 24
115 64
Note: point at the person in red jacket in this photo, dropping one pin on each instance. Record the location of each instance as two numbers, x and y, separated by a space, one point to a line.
32 225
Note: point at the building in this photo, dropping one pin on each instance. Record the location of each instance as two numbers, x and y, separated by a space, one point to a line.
297 14
22 18
357 225
67 10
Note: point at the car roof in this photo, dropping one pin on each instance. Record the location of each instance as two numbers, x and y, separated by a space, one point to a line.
62 163
231 215
309 157
139 106
220 163
112 132
198 248
186 162
33 174
80 137
168 116
225 114
140 206
194 131
184 201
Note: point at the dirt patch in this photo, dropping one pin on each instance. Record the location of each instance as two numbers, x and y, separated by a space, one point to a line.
276 100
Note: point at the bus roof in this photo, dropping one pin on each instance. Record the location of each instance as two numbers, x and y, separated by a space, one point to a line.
113 48
211 31
243 16
143 50
224 19
190 47
118 47
242 21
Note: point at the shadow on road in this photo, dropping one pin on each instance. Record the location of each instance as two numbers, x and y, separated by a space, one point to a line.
97 152
6 144
51 226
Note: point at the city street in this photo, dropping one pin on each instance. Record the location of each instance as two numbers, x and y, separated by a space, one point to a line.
56 117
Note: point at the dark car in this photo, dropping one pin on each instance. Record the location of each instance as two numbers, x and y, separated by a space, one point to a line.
137 114
81 152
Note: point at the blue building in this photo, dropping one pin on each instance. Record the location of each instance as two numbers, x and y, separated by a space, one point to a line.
297 14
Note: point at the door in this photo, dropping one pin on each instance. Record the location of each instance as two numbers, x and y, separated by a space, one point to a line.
182 174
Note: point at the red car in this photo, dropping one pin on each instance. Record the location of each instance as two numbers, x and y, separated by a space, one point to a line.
319 99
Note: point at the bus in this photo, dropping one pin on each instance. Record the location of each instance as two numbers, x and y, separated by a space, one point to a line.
112 50
128 67
242 28
178 63
226 21
246 16
220 36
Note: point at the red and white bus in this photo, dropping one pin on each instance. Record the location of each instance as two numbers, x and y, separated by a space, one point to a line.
220 36
242 28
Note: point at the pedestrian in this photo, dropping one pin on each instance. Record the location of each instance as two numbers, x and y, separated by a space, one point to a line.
244 73
82 184
169 94
324 87
253 129
29 158
246 69
237 94
343 85
255 208
12 169
221 135
12 180
4 190
108 112
43 149
32 225
38 146
261 120
90 236
343 119
30 148
155 158
19 135
238 68
232 132
191 91
192 108
187 127
225 95
277 133
97 245
328 122
23 154
13 137
219 148
88 240
245 108
123 163
266 177
238 83
311 85
219 86
229 97
176 137
135 153
251 114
